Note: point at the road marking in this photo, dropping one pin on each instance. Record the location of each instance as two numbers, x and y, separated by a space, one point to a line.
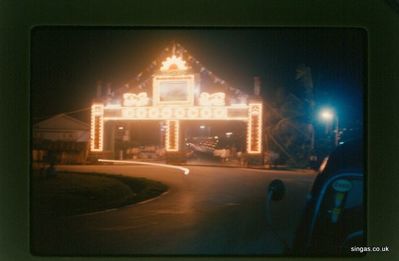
186 171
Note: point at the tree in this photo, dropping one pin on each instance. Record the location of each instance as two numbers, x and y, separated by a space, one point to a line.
290 130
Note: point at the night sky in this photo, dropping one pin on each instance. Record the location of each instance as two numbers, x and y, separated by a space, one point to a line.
67 62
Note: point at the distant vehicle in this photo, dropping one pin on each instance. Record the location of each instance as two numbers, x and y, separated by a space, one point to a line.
333 221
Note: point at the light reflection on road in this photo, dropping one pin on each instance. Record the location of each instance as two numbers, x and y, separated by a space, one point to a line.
186 171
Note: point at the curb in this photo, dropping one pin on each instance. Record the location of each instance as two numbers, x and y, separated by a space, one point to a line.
119 208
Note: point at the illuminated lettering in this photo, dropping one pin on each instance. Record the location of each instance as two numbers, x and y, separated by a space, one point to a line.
177 112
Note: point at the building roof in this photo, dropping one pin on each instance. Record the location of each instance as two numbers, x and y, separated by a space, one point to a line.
61 122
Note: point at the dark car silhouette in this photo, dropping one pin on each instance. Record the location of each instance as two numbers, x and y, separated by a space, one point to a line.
334 218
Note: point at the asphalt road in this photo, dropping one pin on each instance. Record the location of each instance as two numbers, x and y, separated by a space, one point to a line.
212 211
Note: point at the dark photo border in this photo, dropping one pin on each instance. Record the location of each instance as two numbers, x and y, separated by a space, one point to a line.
378 18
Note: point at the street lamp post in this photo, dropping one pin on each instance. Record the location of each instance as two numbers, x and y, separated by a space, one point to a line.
328 115
336 130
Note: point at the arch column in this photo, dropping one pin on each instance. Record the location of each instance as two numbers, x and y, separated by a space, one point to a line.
174 152
172 137
254 128
97 127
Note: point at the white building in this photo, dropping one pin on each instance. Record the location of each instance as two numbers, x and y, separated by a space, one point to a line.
67 136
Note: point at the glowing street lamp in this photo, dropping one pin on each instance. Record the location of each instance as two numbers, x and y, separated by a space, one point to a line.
328 116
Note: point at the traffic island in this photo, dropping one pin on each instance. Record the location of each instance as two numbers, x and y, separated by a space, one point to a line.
70 193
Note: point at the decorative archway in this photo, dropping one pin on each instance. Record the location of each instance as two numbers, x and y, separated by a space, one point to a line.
176 96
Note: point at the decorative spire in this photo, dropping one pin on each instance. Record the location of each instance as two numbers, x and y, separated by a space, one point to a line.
174 48
173 63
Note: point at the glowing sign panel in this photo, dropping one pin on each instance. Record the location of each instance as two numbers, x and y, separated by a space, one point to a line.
173 90
170 91
181 112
